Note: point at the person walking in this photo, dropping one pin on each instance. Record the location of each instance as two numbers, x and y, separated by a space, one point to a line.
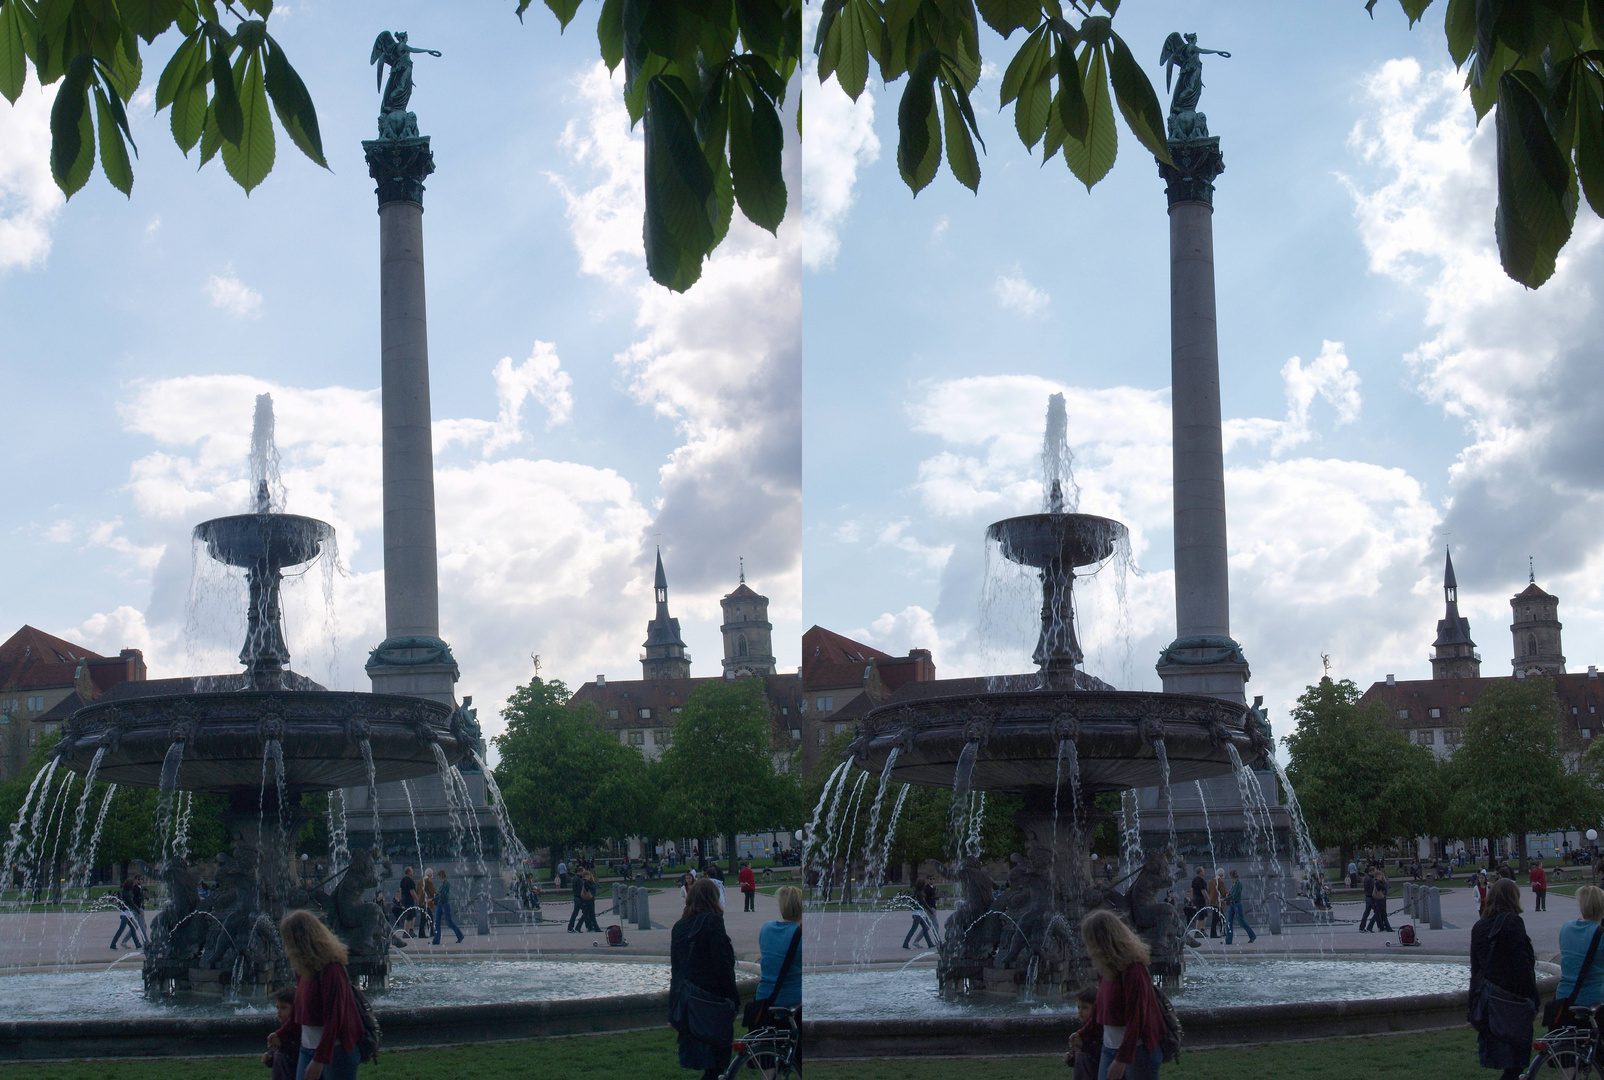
576 917
1367 921
1217 892
407 896
748 882
587 903
562 873
325 1009
1379 897
1233 911
427 895
702 996
1538 879
1200 895
442 908
130 901
922 915
1576 940
1501 957
1127 1008
1481 893
1353 874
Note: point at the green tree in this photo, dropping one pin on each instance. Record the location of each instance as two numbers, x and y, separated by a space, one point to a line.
1360 782
718 775
566 782
1508 776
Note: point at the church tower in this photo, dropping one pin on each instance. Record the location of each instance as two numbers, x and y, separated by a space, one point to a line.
1536 628
1454 654
665 657
748 634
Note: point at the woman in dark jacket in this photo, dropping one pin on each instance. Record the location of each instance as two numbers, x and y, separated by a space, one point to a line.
702 998
1501 954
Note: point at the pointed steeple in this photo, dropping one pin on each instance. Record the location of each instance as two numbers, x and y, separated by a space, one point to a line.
665 656
1454 655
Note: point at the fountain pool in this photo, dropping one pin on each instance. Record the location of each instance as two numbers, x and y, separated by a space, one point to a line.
118 994
910 993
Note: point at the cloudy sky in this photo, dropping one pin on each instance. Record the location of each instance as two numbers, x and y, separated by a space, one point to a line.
1385 388
581 412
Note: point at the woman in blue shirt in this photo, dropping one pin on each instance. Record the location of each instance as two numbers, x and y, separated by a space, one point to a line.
774 939
1574 939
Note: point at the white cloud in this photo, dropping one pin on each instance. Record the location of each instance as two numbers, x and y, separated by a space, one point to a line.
1321 549
1517 367
536 556
29 198
929 556
1327 376
540 377
228 293
722 361
841 140
900 632
1015 293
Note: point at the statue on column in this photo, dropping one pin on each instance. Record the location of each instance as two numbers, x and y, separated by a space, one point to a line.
395 122
1182 51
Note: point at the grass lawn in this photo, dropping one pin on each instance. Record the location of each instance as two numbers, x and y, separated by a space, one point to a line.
650 1055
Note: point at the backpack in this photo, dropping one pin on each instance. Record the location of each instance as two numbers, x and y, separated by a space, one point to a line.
1169 1044
1406 934
615 935
368 1044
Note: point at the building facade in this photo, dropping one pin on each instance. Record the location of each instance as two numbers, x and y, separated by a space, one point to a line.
640 712
45 679
843 679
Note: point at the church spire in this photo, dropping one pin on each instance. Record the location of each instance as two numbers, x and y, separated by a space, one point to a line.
1454 653
665 656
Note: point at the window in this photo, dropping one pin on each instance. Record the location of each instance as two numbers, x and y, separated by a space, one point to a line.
1435 714
1592 708
796 733
612 714
675 710
784 711
36 704
740 645
637 738
1573 710
1450 737
839 728
660 738
1587 733
644 714
1426 738
1464 708
1403 714
826 704
823 735
1531 644
8 705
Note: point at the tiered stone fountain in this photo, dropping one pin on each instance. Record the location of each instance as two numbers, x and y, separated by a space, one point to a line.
1057 742
261 740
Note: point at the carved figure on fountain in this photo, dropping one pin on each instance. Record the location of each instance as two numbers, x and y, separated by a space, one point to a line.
176 935
360 922
1030 903
1146 905
963 942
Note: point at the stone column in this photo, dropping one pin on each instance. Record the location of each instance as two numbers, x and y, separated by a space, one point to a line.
1203 659
412 659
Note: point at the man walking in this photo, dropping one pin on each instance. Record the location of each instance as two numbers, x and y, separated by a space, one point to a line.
407 894
1233 911
576 916
1367 920
748 882
587 903
1200 894
442 909
1217 891
562 873
1539 881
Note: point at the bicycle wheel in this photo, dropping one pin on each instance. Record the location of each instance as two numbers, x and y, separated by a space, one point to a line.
1562 1064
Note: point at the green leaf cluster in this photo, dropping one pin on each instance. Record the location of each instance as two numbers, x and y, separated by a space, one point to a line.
218 83
566 782
1360 782
1539 66
1508 776
1064 82
718 777
707 79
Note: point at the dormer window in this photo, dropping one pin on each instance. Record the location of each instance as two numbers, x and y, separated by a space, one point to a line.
1451 593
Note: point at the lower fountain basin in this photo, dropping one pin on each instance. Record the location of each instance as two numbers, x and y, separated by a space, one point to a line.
912 994
224 737
1018 734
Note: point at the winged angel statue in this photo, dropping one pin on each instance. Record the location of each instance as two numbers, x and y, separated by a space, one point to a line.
395 122
1185 122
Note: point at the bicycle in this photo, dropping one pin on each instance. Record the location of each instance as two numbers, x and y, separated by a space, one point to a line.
772 1049
1569 1052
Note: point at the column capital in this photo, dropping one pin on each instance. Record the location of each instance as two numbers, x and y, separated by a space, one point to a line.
399 166
1197 164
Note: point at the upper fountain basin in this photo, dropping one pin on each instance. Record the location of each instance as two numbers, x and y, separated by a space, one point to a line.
1068 539
225 736
1115 733
251 539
